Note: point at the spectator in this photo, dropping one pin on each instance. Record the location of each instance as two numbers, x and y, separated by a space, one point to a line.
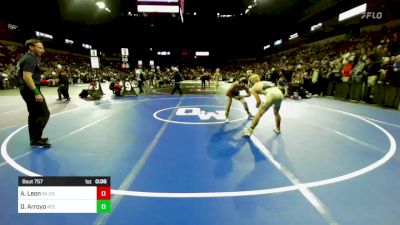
117 88
346 71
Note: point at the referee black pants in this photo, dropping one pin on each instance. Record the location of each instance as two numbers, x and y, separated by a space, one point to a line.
62 90
176 87
38 113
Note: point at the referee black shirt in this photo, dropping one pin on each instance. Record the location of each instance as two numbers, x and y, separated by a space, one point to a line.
29 63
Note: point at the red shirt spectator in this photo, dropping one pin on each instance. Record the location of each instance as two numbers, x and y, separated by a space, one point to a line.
346 71
117 87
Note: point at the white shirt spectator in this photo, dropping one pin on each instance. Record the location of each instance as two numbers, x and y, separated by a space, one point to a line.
5 76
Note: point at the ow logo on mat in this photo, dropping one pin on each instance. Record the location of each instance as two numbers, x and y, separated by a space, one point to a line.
203 115
199 114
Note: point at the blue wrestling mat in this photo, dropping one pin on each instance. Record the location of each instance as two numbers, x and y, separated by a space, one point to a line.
174 161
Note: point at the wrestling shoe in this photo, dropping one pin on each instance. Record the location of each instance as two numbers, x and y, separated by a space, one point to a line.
41 144
248 132
277 131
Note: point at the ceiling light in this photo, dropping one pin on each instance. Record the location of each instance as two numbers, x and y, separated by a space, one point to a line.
101 5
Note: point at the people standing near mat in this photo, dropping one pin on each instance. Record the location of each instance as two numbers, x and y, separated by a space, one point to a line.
141 79
273 97
117 87
217 77
234 92
203 77
63 84
29 72
178 78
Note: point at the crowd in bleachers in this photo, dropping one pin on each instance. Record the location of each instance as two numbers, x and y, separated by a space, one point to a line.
368 58
77 67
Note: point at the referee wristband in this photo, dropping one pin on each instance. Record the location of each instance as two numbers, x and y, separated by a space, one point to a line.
36 91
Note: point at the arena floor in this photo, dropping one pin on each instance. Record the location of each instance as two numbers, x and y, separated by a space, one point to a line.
334 163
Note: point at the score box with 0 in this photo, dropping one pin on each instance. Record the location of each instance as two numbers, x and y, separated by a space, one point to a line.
64 195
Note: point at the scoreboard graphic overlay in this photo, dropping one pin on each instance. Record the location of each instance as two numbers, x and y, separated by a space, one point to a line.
64 195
